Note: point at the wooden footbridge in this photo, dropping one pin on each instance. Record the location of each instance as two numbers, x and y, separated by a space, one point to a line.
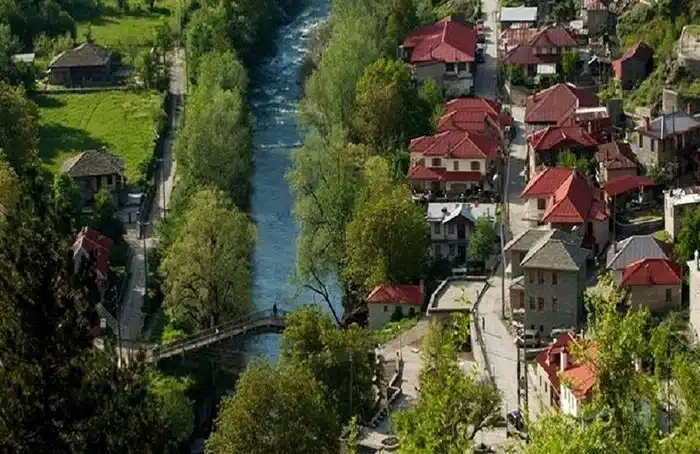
267 321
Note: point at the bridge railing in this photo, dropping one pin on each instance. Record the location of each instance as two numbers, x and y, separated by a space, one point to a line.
216 330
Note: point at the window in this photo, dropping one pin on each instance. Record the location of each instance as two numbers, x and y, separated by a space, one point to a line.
669 295
542 50
521 301
540 277
540 306
555 278
541 328
437 162
554 304
438 250
412 312
386 308
109 180
436 228
531 276
475 165
461 66
450 229
450 67
452 250
555 51
532 305
455 166
541 204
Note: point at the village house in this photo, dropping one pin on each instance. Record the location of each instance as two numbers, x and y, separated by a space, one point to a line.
451 226
90 244
549 294
545 145
87 64
453 163
511 37
565 381
632 249
556 106
663 140
443 51
389 301
654 283
93 170
516 249
634 65
595 16
615 160
694 294
518 17
477 115
676 203
563 199
542 53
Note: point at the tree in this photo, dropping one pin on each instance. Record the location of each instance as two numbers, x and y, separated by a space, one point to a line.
688 239
67 196
338 358
482 240
453 408
659 175
569 63
275 410
386 238
389 110
206 271
9 188
569 160
175 407
104 218
152 70
19 128
613 90
432 97
401 19
58 393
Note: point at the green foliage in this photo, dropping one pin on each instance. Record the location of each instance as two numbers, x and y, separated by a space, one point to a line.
688 239
207 271
613 90
460 329
338 359
9 188
386 238
402 19
19 126
453 407
568 159
103 217
393 329
353 436
659 175
175 407
569 63
433 99
275 410
565 10
482 240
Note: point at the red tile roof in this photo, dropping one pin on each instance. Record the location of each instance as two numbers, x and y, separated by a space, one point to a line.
513 36
594 5
553 36
575 202
447 41
456 144
639 51
473 114
582 379
560 137
419 172
524 54
627 183
548 359
396 294
544 183
651 271
616 155
479 122
96 245
581 375
557 105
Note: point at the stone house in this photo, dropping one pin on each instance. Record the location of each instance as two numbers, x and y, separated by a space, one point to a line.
93 170
554 278
654 283
676 203
615 160
393 300
517 248
663 140
630 250
545 145
595 16
634 65
444 51
557 106
542 53
451 226
87 64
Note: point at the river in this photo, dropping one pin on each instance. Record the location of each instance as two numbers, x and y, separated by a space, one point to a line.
275 92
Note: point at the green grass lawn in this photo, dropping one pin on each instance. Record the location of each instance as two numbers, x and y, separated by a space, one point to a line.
120 120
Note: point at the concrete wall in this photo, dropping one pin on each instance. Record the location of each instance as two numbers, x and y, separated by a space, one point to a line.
532 211
569 294
544 387
654 297
569 403
380 314
673 215
694 284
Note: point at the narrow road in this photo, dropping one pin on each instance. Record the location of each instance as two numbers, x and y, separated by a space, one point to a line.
131 317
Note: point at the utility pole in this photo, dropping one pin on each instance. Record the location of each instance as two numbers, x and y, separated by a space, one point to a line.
503 271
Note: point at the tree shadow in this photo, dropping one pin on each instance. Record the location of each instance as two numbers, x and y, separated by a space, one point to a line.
56 139
48 102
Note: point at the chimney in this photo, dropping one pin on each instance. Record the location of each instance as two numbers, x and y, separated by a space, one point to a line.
689 109
444 211
590 127
663 125
697 260
563 360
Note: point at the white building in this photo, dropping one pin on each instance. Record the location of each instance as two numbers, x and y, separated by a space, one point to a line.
676 203
694 284
451 226
389 301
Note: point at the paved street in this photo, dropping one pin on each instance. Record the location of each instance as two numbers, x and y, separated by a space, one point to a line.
486 73
131 317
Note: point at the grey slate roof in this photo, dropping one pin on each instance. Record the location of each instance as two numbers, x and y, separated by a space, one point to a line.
671 124
92 163
86 54
631 249
519 14
525 240
557 250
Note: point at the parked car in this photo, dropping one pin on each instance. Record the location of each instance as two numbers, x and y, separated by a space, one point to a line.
529 338
556 332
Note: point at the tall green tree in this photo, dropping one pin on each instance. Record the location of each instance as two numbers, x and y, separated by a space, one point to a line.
9 188
207 271
67 196
688 239
338 358
175 408
389 110
387 237
275 410
569 64
454 407
402 19
483 239
19 127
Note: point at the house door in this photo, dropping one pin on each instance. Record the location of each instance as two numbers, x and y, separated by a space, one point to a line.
462 253
461 231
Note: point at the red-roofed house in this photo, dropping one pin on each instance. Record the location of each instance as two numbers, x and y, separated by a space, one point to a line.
564 381
654 283
90 243
541 54
389 299
474 114
564 199
595 16
634 65
453 162
544 145
556 106
615 160
443 51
